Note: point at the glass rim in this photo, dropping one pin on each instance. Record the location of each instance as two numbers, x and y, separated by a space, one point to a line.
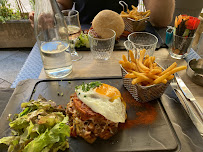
143 33
69 10
114 35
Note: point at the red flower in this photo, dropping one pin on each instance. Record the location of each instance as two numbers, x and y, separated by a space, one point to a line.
192 23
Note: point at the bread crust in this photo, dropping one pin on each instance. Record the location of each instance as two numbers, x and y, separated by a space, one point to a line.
108 19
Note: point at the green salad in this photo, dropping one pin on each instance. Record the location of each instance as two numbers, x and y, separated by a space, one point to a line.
40 127
82 41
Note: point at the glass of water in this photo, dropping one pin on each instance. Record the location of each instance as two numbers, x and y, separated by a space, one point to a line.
102 47
52 38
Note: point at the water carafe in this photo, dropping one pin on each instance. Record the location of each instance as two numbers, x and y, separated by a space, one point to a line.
52 38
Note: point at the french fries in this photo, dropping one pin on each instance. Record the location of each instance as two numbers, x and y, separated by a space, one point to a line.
134 14
144 71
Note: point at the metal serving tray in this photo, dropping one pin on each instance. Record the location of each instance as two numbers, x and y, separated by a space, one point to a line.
167 131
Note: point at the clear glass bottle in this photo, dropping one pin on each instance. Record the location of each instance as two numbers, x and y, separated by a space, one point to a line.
52 38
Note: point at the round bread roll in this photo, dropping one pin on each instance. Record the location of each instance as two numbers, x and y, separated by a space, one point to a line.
108 19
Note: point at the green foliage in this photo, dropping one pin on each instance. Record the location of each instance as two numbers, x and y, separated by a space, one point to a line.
7 13
32 4
82 41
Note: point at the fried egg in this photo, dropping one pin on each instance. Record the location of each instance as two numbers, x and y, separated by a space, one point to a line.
105 100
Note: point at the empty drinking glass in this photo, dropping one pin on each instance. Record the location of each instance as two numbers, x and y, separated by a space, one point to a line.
102 47
143 40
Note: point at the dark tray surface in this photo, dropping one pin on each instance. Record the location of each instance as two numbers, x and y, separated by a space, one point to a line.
156 136
140 137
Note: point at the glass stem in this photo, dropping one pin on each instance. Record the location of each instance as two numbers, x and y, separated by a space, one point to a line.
72 47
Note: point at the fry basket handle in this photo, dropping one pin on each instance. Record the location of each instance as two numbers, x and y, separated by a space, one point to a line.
123 4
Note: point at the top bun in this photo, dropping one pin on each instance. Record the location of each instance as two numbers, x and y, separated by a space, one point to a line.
108 19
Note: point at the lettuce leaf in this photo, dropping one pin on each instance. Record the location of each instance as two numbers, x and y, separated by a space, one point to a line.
60 146
19 123
7 140
23 122
41 103
82 41
57 134
27 110
10 141
25 136
41 126
51 119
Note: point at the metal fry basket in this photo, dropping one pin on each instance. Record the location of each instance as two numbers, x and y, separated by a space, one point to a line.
132 25
143 93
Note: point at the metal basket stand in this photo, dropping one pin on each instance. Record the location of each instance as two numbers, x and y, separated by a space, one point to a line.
143 93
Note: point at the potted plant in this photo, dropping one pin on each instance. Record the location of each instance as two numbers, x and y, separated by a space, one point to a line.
15 28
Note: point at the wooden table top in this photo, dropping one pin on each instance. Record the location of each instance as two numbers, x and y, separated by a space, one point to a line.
88 67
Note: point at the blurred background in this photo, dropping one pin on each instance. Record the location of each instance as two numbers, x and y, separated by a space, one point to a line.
193 8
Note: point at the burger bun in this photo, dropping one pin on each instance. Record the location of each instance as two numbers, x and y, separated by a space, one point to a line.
108 19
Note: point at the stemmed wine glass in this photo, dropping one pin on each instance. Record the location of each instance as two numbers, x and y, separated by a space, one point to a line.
74 30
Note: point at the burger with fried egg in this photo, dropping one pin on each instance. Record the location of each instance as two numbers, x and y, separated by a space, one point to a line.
95 110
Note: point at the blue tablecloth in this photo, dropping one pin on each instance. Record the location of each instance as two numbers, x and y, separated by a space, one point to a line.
31 68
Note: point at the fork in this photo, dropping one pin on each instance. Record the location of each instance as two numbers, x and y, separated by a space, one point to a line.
197 122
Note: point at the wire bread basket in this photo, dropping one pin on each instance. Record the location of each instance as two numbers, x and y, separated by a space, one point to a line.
143 93
132 25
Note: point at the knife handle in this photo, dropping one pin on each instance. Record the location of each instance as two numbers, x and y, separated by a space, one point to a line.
195 119
198 108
